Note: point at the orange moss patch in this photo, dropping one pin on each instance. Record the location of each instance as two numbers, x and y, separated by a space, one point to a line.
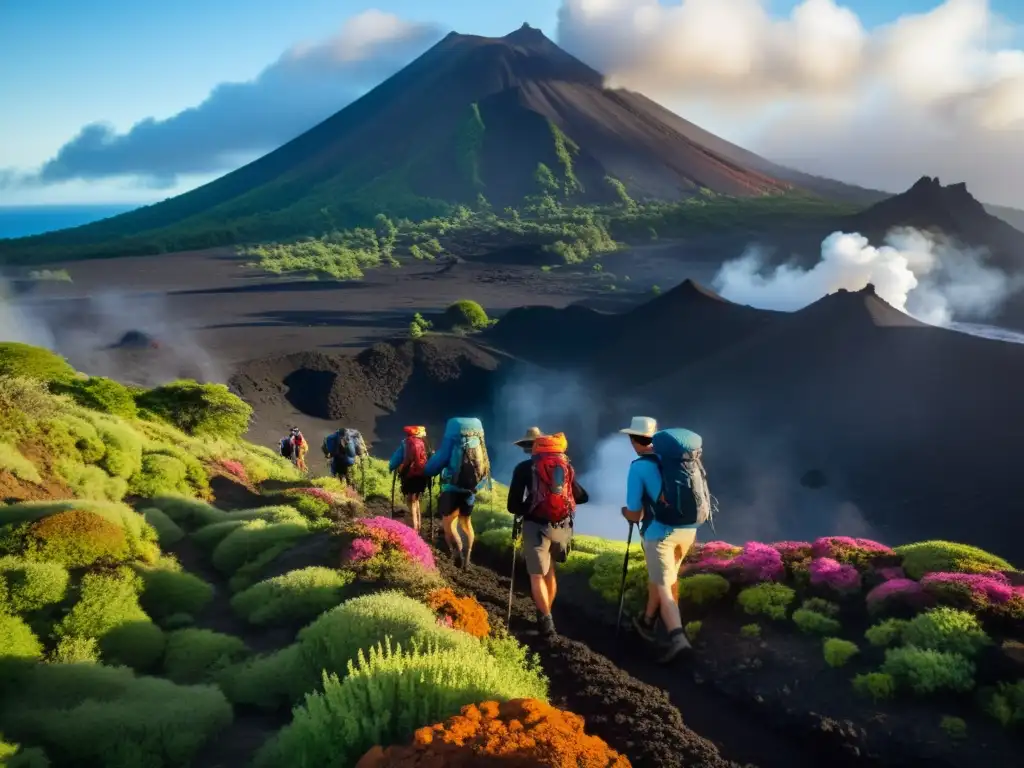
465 612
522 733
75 539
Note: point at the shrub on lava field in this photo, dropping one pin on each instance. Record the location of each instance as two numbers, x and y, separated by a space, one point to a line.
89 482
877 685
25 361
751 630
75 650
169 591
946 556
849 551
95 716
163 474
135 644
100 394
886 633
122 456
925 671
464 314
704 588
756 563
954 727
106 600
822 606
813 622
19 642
403 689
30 585
894 595
838 651
293 598
833 575
947 629
167 530
607 577
381 537
201 410
198 655
253 539
1007 704
190 514
771 600
465 612
76 539
522 732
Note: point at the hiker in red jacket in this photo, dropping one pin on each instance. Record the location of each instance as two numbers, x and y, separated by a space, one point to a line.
408 460
544 494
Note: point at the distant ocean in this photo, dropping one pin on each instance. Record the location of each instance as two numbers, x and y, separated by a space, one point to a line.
21 221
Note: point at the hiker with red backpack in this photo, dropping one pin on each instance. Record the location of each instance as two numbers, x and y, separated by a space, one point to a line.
462 462
294 447
542 497
408 461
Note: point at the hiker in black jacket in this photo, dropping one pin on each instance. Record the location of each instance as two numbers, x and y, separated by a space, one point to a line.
543 494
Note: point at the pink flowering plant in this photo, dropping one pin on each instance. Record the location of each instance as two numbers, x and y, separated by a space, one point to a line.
234 468
756 562
982 593
833 575
895 595
848 550
379 543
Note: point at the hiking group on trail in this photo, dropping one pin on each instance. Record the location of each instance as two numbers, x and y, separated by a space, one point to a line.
667 497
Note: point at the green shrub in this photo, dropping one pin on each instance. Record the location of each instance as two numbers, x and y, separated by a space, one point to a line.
190 514
593 545
751 630
12 460
120 514
1007 704
607 577
297 596
768 599
703 588
123 455
89 482
252 539
935 556
19 360
79 434
693 629
877 685
76 539
954 727
838 651
178 621
209 536
17 640
31 585
135 644
160 475
100 394
403 689
13 756
166 529
578 562
947 629
202 410
106 601
76 650
198 655
95 716
168 592
925 670
464 314
822 606
886 633
813 622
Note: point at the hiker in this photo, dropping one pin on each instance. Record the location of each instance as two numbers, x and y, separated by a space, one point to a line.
667 493
294 447
462 462
409 460
343 448
544 494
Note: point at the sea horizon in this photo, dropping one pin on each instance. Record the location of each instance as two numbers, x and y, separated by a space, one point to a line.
26 220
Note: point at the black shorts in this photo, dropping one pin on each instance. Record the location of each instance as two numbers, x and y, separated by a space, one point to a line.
450 502
413 486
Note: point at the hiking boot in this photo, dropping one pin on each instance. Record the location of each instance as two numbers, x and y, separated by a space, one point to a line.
646 628
677 644
546 625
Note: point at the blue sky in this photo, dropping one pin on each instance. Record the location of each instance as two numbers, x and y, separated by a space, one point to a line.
69 63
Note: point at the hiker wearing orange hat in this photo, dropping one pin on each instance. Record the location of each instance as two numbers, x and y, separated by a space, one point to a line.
408 461
543 495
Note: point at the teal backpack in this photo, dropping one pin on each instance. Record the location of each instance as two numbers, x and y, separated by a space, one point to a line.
469 467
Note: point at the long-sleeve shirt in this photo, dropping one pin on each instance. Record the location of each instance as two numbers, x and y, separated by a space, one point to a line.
397 457
522 481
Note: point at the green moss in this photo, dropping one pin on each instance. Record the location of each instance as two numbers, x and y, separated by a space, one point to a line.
814 623
565 150
927 671
703 588
295 597
199 655
30 585
167 593
751 630
100 394
17 641
166 529
838 651
12 461
204 410
938 556
24 360
469 146
886 633
878 686
768 599
947 629
135 644
465 314
106 601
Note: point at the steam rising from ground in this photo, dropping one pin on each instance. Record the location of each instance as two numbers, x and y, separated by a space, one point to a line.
925 276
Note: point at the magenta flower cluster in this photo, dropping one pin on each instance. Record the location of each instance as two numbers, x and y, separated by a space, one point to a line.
793 550
901 589
234 468
386 531
719 549
891 572
835 546
990 587
831 573
363 549
756 562
318 493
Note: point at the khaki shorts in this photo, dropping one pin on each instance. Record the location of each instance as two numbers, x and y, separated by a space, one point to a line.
660 554
541 542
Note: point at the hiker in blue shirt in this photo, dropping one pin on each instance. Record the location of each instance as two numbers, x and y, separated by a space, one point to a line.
668 520
461 461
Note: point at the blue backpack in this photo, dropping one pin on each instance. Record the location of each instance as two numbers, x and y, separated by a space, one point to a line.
468 467
346 444
685 498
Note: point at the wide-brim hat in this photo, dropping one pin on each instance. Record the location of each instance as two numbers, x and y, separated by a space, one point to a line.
531 434
641 426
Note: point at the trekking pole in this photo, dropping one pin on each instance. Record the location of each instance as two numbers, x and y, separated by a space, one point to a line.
362 477
512 575
394 476
430 506
622 587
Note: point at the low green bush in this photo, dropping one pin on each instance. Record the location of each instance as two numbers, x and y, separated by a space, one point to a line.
838 651
17 641
248 542
578 562
607 577
768 599
886 633
19 360
464 314
879 686
12 460
199 655
693 629
167 530
926 671
1006 704
123 455
751 630
188 513
178 621
202 410
947 629
497 539
14 756
135 644
403 689
160 475
209 536
703 588
297 596
89 482
100 394
822 606
813 622
32 585
954 727
947 556
76 650
76 539
106 600
167 592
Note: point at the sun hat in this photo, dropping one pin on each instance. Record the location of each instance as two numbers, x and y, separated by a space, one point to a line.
531 434
641 426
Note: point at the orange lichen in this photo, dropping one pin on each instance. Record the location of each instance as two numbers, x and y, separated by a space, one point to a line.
465 612
76 538
522 733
